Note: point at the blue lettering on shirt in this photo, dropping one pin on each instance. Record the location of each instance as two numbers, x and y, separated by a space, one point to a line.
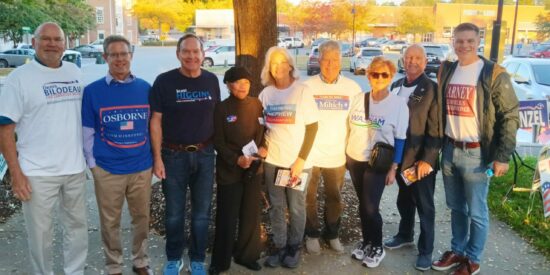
61 91
332 102
192 96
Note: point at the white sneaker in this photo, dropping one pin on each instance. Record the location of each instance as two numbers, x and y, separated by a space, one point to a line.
374 257
312 246
359 251
336 245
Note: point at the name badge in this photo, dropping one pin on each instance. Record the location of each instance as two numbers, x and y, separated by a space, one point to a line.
231 118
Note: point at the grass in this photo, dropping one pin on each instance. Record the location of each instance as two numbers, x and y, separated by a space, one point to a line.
534 228
5 71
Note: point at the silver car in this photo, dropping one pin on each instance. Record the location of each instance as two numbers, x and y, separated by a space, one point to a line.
360 61
529 77
15 57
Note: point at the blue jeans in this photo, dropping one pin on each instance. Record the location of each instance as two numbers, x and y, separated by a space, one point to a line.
466 187
196 171
281 198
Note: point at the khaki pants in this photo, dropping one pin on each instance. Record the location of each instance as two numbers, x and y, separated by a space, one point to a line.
110 192
47 192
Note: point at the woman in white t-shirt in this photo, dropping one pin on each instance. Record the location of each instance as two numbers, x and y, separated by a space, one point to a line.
290 117
387 122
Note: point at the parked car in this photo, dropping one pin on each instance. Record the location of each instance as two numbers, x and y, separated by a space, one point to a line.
369 42
73 56
435 54
394 45
24 46
346 49
541 51
529 77
15 57
293 42
98 44
221 55
360 61
312 65
281 43
87 51
318 42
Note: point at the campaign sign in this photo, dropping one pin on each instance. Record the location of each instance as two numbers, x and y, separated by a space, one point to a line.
3 167
533 112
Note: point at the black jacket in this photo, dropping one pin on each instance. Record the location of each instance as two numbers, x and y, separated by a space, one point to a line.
424 135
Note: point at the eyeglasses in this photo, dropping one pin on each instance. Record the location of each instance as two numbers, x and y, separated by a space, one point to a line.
117 55
378 75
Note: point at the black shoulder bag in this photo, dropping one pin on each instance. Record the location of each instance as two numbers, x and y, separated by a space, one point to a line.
381 157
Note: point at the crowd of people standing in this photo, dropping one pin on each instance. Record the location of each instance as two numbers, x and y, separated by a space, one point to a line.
295 136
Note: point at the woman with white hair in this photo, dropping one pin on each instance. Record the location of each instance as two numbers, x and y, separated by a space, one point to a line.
290 115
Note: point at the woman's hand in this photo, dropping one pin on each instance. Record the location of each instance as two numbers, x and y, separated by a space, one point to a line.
296 168
244 161
262 152
390 176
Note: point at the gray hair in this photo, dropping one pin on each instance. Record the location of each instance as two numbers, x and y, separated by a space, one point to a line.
39 28
266 77
415 45
328 46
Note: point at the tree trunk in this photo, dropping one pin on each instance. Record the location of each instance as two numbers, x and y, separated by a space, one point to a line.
255 33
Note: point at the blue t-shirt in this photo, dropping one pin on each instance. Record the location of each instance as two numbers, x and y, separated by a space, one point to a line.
187 106
119 113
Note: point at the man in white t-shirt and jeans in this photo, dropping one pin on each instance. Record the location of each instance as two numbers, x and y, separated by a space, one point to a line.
332 93
480 120
41 101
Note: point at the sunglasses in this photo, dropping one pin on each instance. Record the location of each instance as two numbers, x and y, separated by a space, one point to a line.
378 75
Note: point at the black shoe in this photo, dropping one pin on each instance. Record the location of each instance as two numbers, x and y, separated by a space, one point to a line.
252 266
214 271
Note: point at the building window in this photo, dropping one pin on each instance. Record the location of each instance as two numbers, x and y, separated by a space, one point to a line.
99 16
129 21
428 37
100 35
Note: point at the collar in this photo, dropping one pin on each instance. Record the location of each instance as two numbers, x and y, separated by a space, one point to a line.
326 82
414 83
109 79
41 63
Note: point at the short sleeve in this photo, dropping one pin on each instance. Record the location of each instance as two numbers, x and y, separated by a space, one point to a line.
309 107
155 96
400 131
88 116
12 101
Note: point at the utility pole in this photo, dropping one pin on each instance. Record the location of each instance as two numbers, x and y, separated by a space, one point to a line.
353 28
496 32
514 29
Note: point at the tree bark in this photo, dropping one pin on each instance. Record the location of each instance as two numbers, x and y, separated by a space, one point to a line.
255 33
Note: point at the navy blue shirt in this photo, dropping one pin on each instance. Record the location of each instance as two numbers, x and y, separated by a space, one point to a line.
187 106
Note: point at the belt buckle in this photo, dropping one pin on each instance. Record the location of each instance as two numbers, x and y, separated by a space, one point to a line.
191 148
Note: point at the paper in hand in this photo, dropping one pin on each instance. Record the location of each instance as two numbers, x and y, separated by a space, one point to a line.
283 179
409 175
250 149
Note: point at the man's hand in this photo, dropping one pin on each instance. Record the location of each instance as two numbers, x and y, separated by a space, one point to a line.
423 169
390 176
296 168
158 169
244 161
20 186
500 168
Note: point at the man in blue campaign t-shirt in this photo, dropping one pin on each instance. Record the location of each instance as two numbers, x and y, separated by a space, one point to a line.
182 125
115 120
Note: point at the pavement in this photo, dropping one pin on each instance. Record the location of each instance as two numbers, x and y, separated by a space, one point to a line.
505 253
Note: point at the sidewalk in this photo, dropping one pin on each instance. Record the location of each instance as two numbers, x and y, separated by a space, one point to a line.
505 253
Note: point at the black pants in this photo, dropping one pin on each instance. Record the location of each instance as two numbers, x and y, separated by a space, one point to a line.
418 196
237 202
369 187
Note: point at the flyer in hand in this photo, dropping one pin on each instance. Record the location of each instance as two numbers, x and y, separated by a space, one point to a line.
409 175
283 179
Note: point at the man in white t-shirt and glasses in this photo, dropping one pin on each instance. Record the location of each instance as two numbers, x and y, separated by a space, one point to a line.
332 93
480 120
41 101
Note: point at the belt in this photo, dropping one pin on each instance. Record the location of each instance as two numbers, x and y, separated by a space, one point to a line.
185 147
463 144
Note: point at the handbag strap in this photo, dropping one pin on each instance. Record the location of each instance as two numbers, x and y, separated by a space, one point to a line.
367 99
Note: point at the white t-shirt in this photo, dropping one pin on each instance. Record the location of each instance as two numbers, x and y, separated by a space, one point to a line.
286 114
461 98
403 91
388 120
45 104
333 102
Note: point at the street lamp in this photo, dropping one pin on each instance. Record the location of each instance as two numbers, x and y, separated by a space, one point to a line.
353 27
514 29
